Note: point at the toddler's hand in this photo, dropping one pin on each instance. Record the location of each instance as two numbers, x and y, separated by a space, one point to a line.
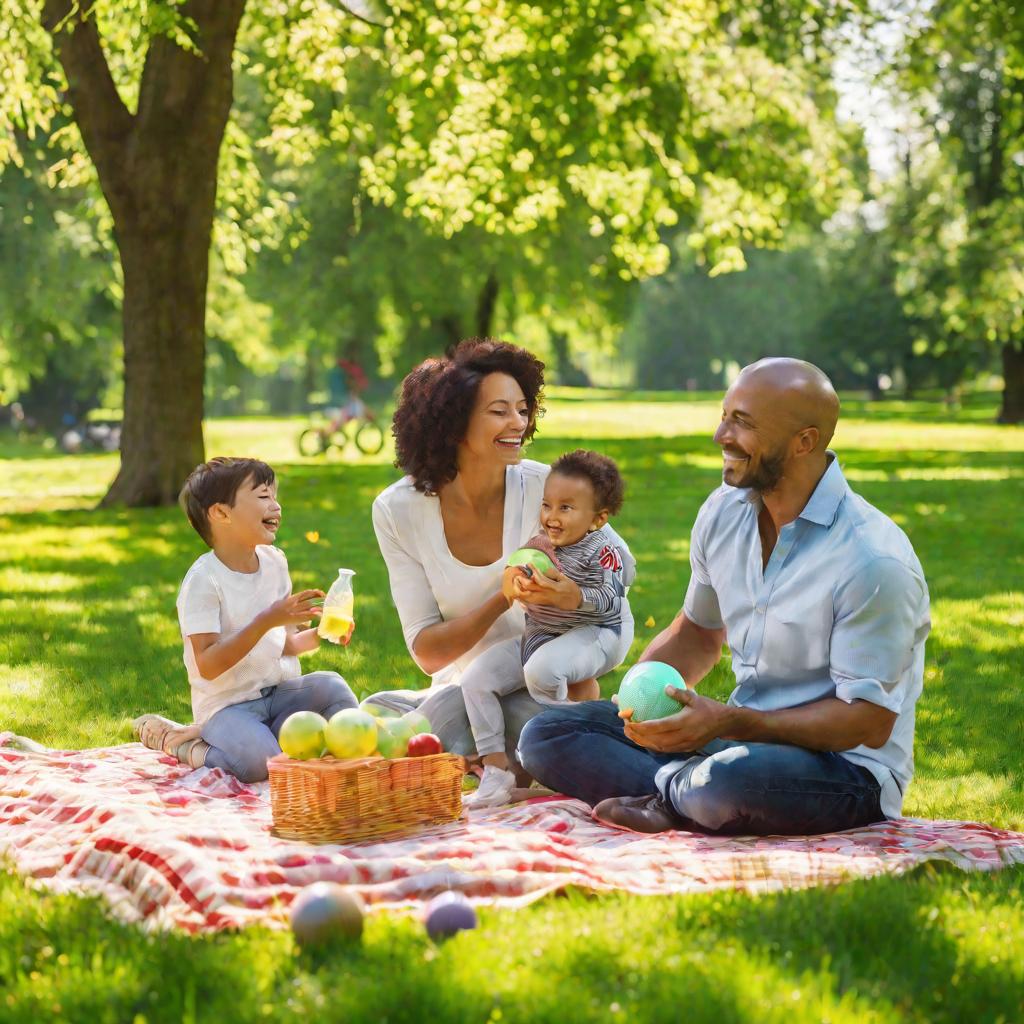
348 636
295 609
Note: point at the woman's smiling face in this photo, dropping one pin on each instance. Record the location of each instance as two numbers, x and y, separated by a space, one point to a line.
498 421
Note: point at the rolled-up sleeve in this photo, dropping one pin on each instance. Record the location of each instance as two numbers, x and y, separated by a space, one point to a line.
879 619
410 588
700 605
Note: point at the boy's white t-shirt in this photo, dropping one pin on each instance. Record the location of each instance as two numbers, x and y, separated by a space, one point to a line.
216 599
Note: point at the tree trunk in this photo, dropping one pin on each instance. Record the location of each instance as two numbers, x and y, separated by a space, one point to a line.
1012 410
486 304
164 357
158 171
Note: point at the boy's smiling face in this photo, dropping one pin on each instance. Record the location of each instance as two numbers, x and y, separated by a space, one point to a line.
254 518
568 510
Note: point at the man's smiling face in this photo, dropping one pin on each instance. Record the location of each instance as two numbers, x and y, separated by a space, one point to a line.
754 450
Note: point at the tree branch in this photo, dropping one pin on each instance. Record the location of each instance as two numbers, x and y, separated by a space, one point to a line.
103 119
180 89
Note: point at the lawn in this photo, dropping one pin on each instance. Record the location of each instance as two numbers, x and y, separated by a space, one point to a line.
90 640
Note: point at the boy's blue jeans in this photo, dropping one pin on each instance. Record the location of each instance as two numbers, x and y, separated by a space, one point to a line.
728 788
243 736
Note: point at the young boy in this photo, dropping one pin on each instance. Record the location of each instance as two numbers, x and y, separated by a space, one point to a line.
242 629
574 621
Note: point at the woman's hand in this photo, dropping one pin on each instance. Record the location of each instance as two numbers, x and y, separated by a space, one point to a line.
511 580
554 591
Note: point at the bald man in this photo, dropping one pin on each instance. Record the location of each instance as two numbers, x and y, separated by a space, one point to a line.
824 607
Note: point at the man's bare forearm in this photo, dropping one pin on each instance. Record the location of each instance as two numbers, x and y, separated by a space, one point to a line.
829 724
439 645
692 650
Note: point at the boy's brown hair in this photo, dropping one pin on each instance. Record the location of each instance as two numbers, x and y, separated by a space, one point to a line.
601 471
217 482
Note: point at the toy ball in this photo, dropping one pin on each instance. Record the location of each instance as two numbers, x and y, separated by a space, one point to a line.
326 911
447 914
642 690
536 560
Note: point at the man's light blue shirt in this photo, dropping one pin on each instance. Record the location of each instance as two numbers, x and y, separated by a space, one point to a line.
840 610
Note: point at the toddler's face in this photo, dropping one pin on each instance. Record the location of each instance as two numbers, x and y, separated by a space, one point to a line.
568 510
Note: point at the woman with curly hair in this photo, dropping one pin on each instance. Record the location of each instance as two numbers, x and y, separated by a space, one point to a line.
447 528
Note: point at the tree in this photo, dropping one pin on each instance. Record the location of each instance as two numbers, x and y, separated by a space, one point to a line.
961 258
59 345
643 115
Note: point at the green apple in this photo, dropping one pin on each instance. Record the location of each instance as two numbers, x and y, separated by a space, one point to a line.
417 722
377 711
351 733
393 735
537 560
302 735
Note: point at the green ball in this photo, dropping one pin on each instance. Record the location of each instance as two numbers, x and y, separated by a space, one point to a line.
642 690
537 560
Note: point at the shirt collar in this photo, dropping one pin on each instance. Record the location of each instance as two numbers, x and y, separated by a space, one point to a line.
823 504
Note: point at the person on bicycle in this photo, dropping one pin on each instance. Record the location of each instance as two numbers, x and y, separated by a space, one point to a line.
346 382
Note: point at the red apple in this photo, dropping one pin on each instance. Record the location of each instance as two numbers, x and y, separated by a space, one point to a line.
423 744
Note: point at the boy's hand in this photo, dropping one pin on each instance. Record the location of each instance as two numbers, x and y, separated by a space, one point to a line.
348 636
302 642
295 609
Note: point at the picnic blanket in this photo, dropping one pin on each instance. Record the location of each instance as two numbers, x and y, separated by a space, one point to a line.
172 848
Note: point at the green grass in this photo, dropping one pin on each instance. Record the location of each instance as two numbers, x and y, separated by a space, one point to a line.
90 640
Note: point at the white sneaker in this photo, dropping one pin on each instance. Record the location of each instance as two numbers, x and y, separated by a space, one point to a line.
495 788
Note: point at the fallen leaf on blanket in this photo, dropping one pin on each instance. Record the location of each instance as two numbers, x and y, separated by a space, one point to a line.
649 621
312 536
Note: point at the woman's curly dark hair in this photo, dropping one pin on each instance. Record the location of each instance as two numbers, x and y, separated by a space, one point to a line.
603 474
438 397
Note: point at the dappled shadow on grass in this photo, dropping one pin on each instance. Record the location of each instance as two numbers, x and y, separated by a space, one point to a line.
91 637
937 946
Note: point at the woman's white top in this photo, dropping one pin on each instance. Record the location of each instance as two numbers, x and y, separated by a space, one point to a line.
429 584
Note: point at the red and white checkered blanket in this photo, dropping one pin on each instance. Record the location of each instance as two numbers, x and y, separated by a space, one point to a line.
172 848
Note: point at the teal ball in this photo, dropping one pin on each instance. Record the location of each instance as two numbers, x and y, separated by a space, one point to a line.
642 690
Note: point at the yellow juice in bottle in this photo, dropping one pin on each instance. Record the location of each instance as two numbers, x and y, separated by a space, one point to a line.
336 620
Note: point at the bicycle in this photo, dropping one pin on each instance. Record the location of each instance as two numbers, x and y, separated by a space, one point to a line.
368 435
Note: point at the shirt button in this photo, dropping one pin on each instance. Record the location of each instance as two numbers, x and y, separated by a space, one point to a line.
759 609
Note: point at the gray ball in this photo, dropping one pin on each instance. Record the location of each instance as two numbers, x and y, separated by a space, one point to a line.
325 911
449 913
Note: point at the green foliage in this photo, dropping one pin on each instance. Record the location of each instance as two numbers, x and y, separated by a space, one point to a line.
960 252
59 343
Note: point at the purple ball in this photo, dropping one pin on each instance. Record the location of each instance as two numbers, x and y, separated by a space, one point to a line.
449 913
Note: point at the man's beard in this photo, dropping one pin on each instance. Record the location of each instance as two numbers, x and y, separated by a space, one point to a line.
766 476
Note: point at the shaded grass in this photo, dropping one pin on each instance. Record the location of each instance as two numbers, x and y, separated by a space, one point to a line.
90 640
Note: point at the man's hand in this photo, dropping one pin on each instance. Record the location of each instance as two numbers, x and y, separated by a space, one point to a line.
699 721
553 591
294 610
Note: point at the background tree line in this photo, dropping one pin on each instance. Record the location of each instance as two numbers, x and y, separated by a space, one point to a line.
202 195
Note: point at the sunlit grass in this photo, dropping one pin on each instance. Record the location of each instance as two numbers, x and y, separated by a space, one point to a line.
89 640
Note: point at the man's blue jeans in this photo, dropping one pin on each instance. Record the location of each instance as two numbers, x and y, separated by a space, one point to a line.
729 788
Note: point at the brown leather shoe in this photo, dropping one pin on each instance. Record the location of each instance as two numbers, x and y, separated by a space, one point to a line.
636 813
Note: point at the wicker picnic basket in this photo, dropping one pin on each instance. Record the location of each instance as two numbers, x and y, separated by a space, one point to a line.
329 801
